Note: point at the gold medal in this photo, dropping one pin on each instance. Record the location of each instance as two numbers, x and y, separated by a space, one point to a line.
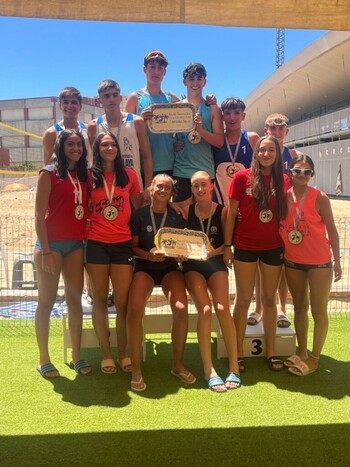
265 215
295 237
110 213
194 137
79 212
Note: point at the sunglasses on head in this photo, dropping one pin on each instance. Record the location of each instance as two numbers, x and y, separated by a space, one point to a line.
305 172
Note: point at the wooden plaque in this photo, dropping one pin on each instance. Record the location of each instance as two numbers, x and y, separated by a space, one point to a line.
172 118
182 242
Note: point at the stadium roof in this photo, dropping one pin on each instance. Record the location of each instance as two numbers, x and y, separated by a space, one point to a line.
311 81
310 14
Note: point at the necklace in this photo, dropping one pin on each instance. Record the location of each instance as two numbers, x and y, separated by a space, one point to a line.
201 220
295 236
78 197
154 227
110 212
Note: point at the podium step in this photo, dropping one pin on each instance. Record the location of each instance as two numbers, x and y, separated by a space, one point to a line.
254 342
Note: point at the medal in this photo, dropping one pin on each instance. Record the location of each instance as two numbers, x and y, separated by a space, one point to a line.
265 215
295 237
79 212
194 137
110 213
78 197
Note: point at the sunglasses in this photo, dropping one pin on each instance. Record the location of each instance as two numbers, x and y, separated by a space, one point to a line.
305 172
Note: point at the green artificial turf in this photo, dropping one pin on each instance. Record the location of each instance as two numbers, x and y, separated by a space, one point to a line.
274 419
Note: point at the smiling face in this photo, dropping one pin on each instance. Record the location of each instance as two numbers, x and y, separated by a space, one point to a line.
108 149
73 148
301 173
195 84
266 155
161 188
70 106
201 186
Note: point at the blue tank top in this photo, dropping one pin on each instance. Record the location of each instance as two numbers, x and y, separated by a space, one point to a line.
194 157
162 146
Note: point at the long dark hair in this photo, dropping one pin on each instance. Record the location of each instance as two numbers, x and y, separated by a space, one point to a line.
259 192
61 163
121 177
302 158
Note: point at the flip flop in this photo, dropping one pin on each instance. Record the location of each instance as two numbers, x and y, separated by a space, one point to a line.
187 378
89 300
283 321
214 384
301 369
79 365
272 361
292 361
254 318
125 364
233 378
108 366
47 368
141 385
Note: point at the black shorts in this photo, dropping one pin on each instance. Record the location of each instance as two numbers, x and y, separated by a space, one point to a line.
307 267
157 273
271 257
108 253
206 268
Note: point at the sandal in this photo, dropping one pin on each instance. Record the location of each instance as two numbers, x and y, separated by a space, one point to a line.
216 384
125 364
47 368
283 321
272 361
138 386
254 318
233 381
241 364
80 365
108 366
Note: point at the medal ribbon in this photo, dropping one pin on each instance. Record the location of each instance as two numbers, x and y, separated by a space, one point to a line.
78 192
298 210
233 157
209 220
109 193
154 221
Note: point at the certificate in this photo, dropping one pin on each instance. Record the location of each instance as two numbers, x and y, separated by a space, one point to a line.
182 242
172 118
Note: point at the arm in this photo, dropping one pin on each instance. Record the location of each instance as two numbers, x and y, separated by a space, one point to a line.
131 104
220 250
145 150
216 137
253 138
324 208
153 255
41 203
91 131
49 139
229 228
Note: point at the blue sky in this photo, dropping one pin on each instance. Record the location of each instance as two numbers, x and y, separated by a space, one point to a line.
39 57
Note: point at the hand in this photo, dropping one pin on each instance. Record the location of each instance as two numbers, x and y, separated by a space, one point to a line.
228 257
48 263
156 256
210 99
147 113
198 121
337 271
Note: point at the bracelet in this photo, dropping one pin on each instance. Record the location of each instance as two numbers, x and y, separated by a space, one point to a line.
338 259
227 246
44 254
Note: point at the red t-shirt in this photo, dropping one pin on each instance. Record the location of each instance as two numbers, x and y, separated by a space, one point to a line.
250 232
61 223
117 230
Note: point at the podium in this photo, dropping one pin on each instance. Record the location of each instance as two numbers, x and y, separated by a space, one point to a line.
254 342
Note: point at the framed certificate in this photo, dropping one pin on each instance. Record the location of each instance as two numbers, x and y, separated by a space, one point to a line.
182 242
172 118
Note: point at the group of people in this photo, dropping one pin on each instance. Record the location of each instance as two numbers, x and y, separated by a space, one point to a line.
107 187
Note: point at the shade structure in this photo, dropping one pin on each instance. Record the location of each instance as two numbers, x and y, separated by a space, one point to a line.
293 14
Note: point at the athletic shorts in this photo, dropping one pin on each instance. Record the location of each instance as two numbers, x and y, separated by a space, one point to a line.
108 253
64 247
271 257
156 273
307 267
206 268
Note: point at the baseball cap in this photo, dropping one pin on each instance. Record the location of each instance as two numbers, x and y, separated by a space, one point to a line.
276 120
155 55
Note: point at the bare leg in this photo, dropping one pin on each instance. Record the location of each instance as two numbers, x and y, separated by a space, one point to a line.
140 289
173 285
47 285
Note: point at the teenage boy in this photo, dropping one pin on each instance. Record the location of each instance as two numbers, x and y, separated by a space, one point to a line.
236 152
277 125
140 102
129 129
69 100
194 149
